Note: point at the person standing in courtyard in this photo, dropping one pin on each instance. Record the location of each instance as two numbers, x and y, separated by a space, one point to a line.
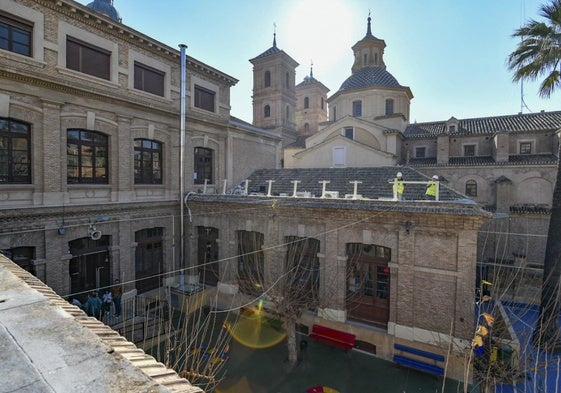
117 294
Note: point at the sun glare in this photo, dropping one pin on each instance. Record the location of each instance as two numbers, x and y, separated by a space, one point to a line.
313 32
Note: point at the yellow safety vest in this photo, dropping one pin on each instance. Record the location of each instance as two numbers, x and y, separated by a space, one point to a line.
431 189
398 186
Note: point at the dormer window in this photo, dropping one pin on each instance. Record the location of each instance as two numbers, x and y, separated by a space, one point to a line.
451 125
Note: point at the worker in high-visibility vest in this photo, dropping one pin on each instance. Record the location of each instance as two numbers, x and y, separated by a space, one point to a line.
398 186
430 192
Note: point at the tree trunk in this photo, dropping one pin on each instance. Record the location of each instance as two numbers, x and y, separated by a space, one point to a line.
546 334
291 342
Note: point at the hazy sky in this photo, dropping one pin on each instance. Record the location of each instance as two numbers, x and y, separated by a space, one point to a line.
451 53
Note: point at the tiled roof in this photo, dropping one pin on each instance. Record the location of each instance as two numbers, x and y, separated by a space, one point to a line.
308 80
271 51
374 182
489 125
370 76
522 159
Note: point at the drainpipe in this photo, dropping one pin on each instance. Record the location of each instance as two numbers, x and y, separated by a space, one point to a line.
182 48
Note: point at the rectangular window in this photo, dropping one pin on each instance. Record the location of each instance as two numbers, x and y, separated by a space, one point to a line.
203 165
525 147
469 150
357 108
349 132
339 156
148 79
204 98
420 152
88 59
87 157
15 152
15 35
147 162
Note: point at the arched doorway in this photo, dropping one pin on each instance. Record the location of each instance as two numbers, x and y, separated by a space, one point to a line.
89 267
368 283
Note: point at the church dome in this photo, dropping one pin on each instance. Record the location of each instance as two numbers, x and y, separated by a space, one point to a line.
105 7
370 77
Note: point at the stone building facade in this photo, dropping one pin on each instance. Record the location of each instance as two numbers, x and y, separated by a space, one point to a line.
419 256
90 146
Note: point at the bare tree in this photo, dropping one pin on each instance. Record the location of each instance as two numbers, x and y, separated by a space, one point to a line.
290 288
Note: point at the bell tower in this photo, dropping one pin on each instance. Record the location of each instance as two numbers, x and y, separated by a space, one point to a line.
274 94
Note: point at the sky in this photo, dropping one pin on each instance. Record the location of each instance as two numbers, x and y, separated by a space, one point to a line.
451 53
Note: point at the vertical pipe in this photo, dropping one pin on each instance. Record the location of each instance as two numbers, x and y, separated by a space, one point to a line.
183 76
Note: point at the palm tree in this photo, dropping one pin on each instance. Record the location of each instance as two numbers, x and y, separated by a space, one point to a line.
537 55
539 52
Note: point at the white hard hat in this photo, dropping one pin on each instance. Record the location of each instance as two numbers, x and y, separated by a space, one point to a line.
435 177
399 174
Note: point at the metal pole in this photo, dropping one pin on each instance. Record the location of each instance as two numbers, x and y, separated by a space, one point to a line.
183 78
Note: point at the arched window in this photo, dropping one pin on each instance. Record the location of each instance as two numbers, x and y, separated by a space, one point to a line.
321 102
334 113
251 262
389 106
471 188
267 111
287 112
306 103
365 59
147 162
15 152
306 128
267 78
87 154
287 77
203 165
375 58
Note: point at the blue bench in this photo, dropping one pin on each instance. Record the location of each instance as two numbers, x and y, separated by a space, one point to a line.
418 363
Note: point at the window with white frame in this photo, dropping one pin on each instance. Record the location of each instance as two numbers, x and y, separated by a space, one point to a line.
339 156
